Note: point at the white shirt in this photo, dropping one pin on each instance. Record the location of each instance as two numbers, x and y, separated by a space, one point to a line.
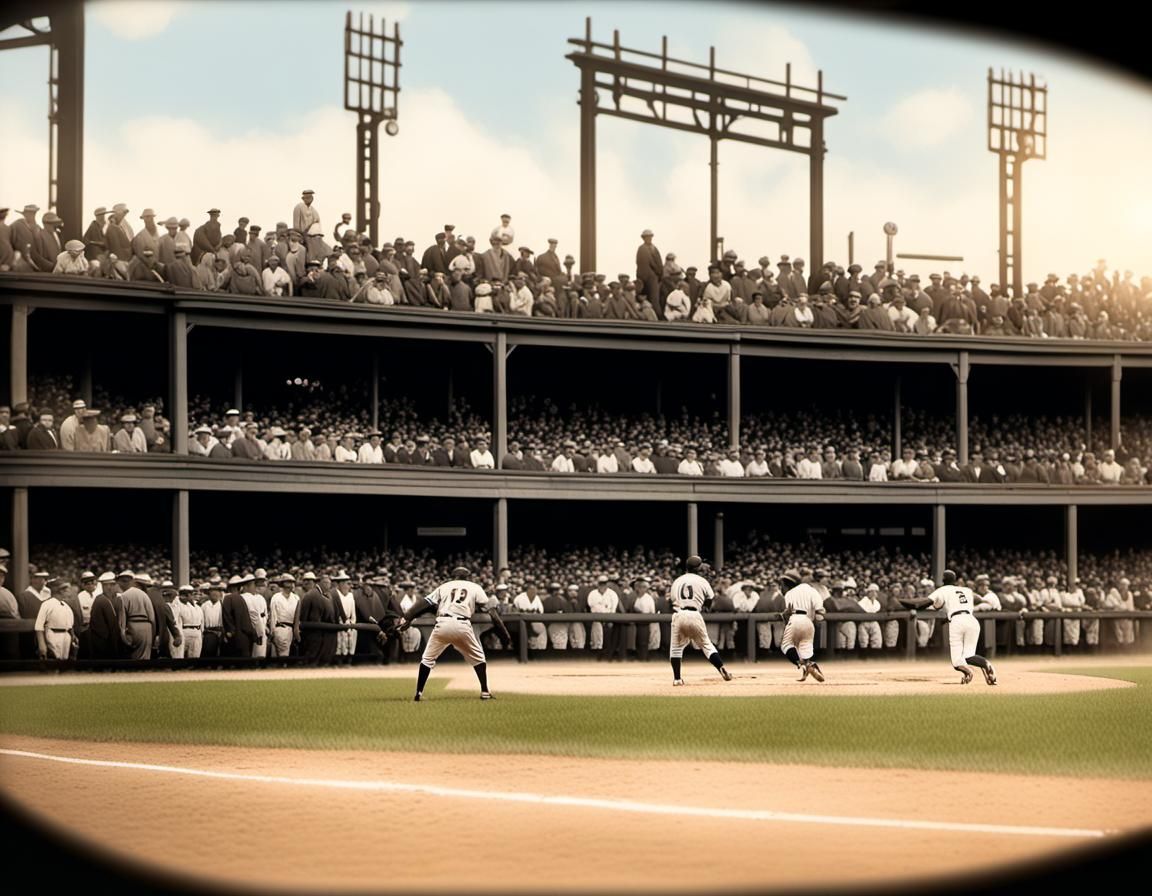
645 603
54 614
276 283
988 601
809 469
607 463
605 602
1110 471
459 599
86 600
690 592
521 301
1073 600
523 604
188 613
878 472
677 305
804 598
745 601
643 465
904 468
690 468
345 455
369 454
283 608
257 611
953 598
562 464
277 450
212 610
757 468
482 460
348 605
731 468
869 604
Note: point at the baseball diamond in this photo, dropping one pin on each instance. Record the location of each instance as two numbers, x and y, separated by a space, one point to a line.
770 529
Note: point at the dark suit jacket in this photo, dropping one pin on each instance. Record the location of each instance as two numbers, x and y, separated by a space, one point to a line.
234 615
441 458
462 458
118 242
40 439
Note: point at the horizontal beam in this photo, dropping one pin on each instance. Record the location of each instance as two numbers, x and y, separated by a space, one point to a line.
706 86
693 129
59 470
33 40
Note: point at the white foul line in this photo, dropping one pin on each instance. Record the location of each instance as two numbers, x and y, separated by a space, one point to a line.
579 801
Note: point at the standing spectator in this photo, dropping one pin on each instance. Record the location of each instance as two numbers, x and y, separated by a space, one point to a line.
239 635
95 242
344 605
9 610
868 634
149 237
140 623
24 232
528 602
504 233
70 425
649 268
166 243
555 602
495 264
548 264
46 246
306 221
207 237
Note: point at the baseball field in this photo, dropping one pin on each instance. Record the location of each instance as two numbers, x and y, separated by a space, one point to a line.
586 776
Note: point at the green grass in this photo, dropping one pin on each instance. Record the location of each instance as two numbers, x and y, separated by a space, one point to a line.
1103 733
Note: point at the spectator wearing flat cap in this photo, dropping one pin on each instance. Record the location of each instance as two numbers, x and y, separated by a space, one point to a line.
95 243
71 424
179 271
306 221
24 231
46 245
649 270
548 264
72 261
244 281
144 268
495 263
207 237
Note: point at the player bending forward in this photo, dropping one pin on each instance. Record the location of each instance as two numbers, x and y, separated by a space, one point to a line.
454 602
963 629
803 606
690 594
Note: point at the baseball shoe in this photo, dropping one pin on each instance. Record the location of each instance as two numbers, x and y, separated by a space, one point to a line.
967 676
725 674
484 695
989 674
803 672
814 668
416 699
678 682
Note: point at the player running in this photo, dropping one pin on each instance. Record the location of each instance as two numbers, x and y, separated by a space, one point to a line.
691 593
963 629
803 608
454 602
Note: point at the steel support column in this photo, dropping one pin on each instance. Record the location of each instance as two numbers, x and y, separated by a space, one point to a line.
21 542
1071 545
238 385
897 441
816 197
499 398
86 376
588 169
734 396
1117 374
714 190
376 390
178 381
1088 414
961 368
500 534
181 539
18 360
693 529
68 38
939 542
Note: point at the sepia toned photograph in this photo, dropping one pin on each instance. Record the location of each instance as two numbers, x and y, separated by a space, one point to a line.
514 447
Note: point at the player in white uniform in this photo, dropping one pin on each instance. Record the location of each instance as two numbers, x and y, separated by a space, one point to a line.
803 606
690 594
963 628
455 602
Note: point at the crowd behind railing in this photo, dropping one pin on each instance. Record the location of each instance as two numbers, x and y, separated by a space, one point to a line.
834 443
324 603
456 274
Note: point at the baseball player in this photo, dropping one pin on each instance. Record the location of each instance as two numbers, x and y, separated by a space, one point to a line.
691 593
803 606
54 625
963 629
190 618
281 615
455 602
410 640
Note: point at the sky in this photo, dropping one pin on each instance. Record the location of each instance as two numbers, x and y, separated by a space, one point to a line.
240 105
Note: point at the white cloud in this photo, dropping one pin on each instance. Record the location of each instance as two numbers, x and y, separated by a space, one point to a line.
1092 198
929 118
135 19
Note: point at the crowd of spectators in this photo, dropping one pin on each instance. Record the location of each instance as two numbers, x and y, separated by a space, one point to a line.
577 579
457 273
545 437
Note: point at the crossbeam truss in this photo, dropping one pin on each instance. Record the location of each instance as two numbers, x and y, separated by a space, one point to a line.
720 104
371 90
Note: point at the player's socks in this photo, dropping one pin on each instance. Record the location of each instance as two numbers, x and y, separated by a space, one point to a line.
481 670
719 664
793 655
978 661
675 668
422 677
